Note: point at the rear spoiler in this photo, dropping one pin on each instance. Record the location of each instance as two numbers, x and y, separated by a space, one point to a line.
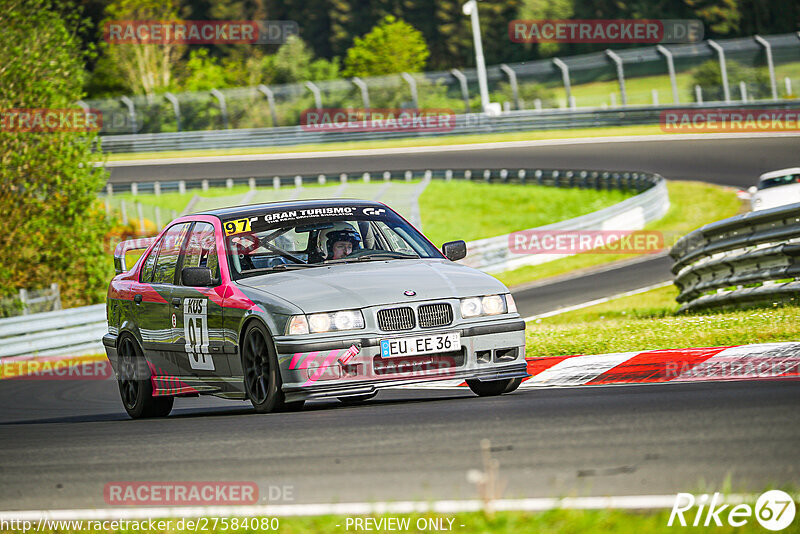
124 246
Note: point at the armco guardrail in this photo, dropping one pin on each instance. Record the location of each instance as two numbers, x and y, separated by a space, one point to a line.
74 331
494 254
508 122
747 258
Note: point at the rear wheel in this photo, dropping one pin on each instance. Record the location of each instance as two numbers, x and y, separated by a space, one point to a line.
135 387
492 387
262 377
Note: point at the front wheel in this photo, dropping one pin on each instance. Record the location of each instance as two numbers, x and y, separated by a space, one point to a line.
492 387
135 387
262 377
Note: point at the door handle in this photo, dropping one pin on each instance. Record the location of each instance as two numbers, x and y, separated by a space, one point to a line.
176 302
137 299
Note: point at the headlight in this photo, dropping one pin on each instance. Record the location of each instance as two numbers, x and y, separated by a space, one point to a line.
488 305
318 323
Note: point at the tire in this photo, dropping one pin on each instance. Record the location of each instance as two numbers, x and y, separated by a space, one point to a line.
357 399
513 384
137 395
262 376
492 387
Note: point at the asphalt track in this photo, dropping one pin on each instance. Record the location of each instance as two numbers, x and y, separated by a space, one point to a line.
62 441
736 162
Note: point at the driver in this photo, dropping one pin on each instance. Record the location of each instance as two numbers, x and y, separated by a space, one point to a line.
342 243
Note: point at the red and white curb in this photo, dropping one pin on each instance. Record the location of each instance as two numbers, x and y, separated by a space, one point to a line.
764 361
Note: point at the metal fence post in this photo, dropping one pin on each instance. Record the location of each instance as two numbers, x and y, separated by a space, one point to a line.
698 94
276 182
743 90
412 85
131 112
671 69
176 107
311 86
770 65
23 298
362 86
157 188
723 68
620 75
512 80
182 187
134 188
109 189
204 185
564 76
140 213
223 108
462 81
271 101
56 295
124 213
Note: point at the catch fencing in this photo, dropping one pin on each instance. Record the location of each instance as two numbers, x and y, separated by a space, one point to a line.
541 85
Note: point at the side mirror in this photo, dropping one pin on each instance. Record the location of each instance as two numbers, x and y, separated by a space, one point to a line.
454 250
197 277
752 190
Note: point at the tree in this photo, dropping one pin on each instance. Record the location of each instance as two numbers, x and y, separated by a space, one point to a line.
392 46
53 228
547 9
145 68
294 62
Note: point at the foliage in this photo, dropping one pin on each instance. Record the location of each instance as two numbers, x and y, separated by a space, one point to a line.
53 227
294 62
144 68
393 46
709 77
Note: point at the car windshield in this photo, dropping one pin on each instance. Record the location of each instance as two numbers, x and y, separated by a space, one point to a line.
286 239
779 180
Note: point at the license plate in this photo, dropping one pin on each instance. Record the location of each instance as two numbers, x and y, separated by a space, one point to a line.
414 346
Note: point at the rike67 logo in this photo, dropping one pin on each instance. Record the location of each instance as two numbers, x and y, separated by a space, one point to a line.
774 510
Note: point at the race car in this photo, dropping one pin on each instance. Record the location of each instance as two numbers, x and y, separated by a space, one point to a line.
284 302
776 188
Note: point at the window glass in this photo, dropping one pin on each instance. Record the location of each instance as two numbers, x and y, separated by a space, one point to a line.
168 254
284 239
146 274
201 249
779 180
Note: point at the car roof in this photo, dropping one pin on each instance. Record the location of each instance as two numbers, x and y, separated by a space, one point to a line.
253 210
781 172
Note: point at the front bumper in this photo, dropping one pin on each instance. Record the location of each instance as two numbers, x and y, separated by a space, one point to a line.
490 350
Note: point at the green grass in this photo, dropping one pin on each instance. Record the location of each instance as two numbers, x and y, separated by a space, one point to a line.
649 321
399 143
550 522
469 211
692 204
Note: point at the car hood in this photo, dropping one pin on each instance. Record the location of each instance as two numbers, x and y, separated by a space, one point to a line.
776 196
375 283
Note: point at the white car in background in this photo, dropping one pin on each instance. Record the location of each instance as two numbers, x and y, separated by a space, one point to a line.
776 188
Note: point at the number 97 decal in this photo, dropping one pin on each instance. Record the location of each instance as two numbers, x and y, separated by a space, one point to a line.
237 227
195 329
